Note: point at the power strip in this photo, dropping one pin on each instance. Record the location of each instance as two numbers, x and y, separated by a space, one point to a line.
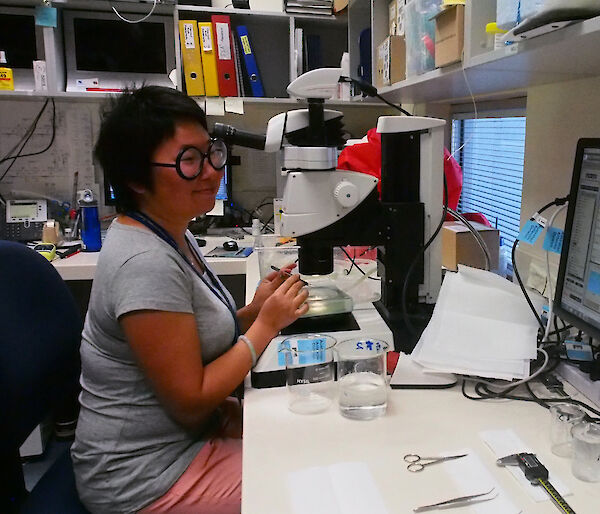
580 381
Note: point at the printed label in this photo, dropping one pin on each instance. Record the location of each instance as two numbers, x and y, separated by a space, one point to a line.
223 46
530 232
310 374
245 45
206 39
554 240
188 35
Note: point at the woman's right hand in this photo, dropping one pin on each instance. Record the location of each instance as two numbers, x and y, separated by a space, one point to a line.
285 305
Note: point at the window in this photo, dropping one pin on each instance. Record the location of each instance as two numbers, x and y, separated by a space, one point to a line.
492 162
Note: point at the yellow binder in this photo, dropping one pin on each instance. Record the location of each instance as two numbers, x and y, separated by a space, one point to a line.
191 56
209 59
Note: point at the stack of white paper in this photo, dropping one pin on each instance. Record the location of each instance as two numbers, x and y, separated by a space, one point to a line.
481 325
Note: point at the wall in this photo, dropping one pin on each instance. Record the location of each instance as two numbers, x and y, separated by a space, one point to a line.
77 124
557 116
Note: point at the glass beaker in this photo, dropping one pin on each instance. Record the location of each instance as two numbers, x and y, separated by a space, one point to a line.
310 372
361 366
563 417
586 451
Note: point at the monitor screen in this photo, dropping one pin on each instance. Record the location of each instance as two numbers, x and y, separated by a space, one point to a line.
18 39
578 288
144 51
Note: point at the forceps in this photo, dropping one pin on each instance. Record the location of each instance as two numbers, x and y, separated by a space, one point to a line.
417 464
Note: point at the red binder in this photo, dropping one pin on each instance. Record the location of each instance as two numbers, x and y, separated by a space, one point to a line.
225 55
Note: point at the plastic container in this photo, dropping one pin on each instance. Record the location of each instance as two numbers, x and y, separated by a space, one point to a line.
420 35
494 36
274 251
586 452
7 82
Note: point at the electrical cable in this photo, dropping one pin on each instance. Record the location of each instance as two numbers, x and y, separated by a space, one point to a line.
482 244
370 90
29 133
474 109
557 211
417 258
134 21
353 261
556 201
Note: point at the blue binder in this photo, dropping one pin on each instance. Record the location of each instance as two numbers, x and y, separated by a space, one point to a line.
250 62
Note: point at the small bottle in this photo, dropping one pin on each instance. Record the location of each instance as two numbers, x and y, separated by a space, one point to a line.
7 82
256 233
494 36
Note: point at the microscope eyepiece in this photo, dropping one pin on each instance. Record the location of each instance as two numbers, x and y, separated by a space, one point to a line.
233 136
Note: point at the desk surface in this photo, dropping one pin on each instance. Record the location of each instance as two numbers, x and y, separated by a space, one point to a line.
428 422
82 266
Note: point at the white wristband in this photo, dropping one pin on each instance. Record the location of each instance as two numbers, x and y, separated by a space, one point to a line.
250 347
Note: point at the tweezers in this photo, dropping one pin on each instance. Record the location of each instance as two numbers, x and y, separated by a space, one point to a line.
456 502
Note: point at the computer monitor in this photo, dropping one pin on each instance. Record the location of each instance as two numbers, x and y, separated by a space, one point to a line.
223 195
577 298
23 42
97 60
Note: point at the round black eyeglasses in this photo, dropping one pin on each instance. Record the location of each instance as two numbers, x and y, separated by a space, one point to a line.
190 160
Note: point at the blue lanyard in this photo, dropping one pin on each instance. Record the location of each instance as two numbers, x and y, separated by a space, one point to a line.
167 238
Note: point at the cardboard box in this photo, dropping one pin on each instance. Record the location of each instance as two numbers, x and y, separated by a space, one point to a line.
459 246
449 35
391 61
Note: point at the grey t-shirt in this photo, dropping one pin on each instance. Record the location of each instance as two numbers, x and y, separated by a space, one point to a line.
128 451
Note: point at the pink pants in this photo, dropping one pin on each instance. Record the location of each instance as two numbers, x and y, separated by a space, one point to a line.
212 483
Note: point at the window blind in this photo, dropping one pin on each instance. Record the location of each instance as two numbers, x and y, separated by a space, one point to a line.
492 162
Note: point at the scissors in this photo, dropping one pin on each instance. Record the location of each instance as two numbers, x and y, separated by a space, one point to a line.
416 463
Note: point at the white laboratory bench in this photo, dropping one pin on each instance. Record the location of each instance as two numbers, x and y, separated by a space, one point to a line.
277 442
82 266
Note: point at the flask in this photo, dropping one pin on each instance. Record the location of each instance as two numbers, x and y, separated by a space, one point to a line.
90 224
7 82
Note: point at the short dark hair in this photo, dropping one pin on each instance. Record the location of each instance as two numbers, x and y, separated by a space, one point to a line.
133 125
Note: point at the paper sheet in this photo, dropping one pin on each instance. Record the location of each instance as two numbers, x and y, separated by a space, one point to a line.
471 477
507 442
481 326
343 488
215 106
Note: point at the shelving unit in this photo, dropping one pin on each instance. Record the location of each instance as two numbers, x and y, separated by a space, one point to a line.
566 54
272 39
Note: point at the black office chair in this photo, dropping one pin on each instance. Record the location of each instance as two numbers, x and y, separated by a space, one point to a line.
40 331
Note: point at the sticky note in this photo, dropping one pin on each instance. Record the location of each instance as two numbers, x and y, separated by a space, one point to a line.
311 351
215 106
554 240
234 104
45 16
530 232
593 284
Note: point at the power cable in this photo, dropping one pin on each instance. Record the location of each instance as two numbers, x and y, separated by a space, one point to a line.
134 21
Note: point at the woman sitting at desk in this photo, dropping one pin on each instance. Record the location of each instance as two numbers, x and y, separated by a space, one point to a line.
163 346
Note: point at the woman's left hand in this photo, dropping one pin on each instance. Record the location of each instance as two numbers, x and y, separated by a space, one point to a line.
268 285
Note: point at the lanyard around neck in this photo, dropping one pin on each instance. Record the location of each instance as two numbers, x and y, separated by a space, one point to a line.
167 238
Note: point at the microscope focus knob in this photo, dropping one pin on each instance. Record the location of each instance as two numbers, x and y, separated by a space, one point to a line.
346 193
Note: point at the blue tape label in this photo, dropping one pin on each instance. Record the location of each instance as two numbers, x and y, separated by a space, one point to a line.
593 284
281 354
554 240
312 351
45 16
530 232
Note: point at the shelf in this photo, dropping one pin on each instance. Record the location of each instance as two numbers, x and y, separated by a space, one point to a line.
250 12
92 97
566 54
